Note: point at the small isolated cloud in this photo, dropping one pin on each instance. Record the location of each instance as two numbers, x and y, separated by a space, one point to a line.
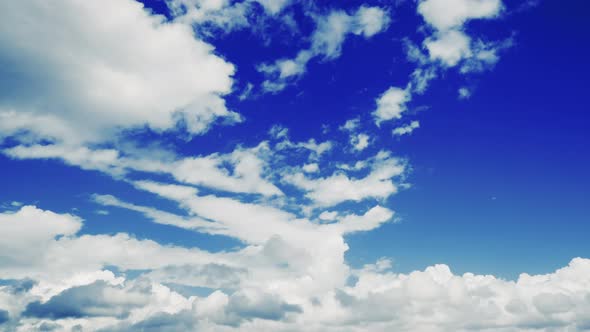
391 105
359 142
464 93
407 129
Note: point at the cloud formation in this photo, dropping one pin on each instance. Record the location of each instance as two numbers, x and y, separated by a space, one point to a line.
71 75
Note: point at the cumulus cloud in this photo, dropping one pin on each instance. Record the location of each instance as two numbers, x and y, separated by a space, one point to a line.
326 42
359 142
391 104
448 14
450 44
291 277
83 71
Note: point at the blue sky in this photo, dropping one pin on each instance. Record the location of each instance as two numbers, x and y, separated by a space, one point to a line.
272 165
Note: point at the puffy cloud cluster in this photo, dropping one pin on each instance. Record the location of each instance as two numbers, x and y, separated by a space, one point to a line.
83 71
449 44
326 42
279 285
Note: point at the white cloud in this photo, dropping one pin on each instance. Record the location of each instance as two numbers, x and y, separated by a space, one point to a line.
407 129
464 93
105 160
351 125
84 70
212 16
311 168
448 14
328 215
359 142
31 225
391 104
316 149
450 44
246 172
449 47
292 280
339 187
239 171
326 42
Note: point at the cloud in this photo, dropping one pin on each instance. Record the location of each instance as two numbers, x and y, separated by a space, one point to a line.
210 171
449 14
287 205
293 279
326 42
449 47
211 17
30 225
464 93
311 168
407 129
359 142
85 71
239 171
450 44
265 306
338 188
41 244
96 299
391 104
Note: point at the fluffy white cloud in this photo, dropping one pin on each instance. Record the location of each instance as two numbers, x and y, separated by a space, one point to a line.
407 129
294 279
311 168
449 47
82 71
448 14
339 187
359 142
326 42
437 300
391 104
31 225
450 44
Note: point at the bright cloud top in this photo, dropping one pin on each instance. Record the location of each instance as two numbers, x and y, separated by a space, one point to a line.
67 78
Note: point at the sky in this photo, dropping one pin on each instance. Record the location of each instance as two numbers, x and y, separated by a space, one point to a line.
280 165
